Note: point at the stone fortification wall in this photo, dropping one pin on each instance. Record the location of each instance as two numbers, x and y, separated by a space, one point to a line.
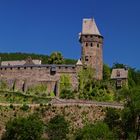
26 76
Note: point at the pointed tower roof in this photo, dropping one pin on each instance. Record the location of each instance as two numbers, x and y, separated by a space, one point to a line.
90 27
79 62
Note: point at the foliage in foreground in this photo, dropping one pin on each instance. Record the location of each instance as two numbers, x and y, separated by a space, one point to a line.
57 128
98 131
126 123
30 128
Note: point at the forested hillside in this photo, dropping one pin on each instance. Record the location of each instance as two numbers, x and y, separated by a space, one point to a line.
23 56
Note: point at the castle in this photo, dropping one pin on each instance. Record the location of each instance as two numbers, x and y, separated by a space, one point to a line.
31 72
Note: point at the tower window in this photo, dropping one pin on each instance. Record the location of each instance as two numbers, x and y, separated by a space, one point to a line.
91 44
86 44
98 45
86 58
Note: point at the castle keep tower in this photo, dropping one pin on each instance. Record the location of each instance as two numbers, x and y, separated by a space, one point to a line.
91 42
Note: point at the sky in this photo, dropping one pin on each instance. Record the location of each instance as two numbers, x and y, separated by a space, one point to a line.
45 26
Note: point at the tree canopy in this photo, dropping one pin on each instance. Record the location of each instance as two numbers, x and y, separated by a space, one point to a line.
56 58
57 128
97 131
24 128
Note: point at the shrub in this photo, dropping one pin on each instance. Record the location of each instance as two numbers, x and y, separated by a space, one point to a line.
67 94
57 128
24 107
98 131
29 128
11 106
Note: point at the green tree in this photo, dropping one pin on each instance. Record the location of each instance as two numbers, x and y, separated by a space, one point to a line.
118 65
106 72
112 117
66 87
133 77
86 81
113 120
98 131
57 128
56 58
65 82
29 128
131 112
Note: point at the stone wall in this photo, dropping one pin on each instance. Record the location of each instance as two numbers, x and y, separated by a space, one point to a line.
27 76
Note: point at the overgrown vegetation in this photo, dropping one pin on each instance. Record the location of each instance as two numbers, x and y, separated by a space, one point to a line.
38 90
18 97
66 91
92 89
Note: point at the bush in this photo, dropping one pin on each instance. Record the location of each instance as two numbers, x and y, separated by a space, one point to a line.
3 85
30 128
24 107
98 131
67 94
39 90
57 128
11 106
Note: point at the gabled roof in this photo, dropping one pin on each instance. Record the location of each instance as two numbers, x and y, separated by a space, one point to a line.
119 73
90 27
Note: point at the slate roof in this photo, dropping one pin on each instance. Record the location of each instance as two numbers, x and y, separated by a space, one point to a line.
19 62
90 27
119 73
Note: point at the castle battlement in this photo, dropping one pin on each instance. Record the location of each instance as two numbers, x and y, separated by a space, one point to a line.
30 72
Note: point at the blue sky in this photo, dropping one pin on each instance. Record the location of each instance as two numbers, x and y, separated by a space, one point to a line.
44 26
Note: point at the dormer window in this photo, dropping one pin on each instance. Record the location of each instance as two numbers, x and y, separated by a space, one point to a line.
118 73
